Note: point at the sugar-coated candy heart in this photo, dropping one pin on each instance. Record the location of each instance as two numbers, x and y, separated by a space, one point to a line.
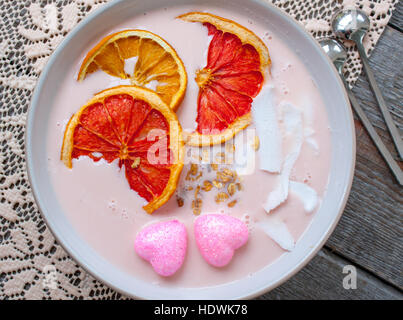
164 245
218 236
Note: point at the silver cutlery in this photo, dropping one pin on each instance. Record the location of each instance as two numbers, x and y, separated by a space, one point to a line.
338 55
353 24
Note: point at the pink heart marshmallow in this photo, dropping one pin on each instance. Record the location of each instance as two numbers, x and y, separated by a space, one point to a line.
218 236
164 245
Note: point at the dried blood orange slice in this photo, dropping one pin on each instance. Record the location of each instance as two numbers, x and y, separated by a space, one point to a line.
237 63
157 62
134 125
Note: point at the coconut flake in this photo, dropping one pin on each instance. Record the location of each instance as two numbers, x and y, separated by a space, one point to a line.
306 194
278 231
293 131
266 121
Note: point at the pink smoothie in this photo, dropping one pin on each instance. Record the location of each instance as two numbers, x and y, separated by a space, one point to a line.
107 214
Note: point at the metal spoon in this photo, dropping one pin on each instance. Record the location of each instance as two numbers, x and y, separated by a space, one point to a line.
353 24
337 53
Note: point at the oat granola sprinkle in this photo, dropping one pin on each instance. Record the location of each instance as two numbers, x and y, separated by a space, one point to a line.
221 197
231 189
218 184
225 176
225 184
193 174
228 172
232 203
220 157
207 185
197 191
196 206
198 176
194 169
180 201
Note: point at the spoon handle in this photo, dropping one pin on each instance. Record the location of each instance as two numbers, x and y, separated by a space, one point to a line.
394 167
394 132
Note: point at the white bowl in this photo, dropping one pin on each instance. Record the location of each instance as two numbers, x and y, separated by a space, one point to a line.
325 220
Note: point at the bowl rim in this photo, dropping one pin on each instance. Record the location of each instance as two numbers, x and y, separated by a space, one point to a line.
31 175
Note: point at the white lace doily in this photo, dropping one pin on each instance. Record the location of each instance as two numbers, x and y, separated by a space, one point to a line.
32 264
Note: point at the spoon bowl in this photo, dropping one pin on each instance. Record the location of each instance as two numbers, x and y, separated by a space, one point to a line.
336 52
350 24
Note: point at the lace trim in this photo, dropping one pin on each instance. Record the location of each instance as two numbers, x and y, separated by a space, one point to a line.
33 265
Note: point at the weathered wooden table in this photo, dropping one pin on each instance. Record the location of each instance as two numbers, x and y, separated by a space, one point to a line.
369 235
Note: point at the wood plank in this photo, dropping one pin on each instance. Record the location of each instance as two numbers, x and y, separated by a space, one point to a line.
371 229
397 17
322 278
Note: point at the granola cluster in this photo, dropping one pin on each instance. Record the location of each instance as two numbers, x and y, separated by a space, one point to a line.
225 183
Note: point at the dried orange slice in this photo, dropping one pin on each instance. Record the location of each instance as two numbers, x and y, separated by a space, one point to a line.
157 63
237 63
134 125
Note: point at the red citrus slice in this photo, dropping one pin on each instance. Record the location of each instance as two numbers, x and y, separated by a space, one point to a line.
237 62
134 125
